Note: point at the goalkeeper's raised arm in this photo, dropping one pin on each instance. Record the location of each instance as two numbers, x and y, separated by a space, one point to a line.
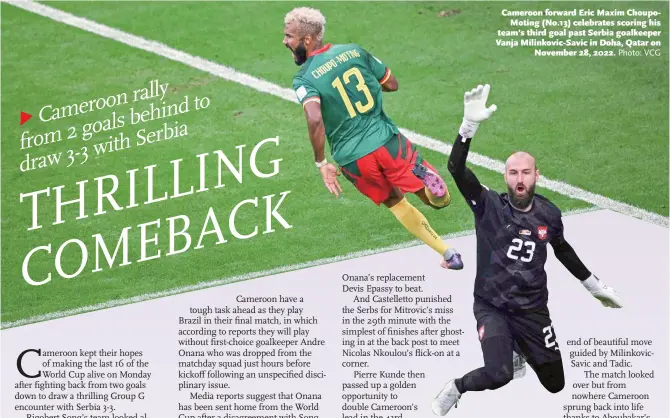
474 112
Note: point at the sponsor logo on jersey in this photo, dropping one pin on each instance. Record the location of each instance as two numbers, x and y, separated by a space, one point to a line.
525 232
542 232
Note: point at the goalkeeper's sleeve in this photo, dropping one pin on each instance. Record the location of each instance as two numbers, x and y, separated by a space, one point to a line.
465 179
568 257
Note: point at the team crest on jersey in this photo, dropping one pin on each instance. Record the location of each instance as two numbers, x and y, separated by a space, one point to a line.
542 232
525 232
481 333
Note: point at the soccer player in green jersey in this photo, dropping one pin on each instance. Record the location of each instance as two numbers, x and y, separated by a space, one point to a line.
340 88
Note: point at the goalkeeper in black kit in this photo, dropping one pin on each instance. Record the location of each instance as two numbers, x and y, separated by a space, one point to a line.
510 297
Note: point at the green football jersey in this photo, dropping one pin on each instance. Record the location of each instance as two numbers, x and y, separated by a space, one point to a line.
345 79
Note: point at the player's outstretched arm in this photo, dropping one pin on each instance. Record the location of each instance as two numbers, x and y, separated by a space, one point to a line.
568 257
317 136
465 179
474 112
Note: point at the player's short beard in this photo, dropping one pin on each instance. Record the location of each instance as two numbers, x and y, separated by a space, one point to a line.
521 203
300 54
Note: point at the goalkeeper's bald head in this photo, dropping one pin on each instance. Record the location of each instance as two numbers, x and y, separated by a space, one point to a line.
521 175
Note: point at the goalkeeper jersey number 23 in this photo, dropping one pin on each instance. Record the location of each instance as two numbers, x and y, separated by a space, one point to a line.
346 79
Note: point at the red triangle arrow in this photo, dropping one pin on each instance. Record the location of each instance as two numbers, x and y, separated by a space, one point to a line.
25 117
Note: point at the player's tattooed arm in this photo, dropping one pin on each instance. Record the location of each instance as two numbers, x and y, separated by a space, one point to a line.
568 257
316 128
317 135
465 179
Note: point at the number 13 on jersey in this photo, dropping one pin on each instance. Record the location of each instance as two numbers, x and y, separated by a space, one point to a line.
360 86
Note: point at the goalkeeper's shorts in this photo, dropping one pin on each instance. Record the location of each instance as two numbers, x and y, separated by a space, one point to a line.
376 174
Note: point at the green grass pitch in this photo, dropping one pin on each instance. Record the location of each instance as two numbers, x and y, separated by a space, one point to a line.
598 124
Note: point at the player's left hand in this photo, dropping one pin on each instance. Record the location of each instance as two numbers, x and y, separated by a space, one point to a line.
329 173
474 104
475 110
605 294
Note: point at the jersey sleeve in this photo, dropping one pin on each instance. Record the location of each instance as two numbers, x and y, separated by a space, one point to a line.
558 224
554 217
378 68
558 241
565 253
305 91
473 191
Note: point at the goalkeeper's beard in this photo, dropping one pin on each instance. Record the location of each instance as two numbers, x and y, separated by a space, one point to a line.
524 202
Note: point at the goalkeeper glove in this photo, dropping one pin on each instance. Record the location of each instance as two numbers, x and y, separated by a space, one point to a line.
605 294
475 110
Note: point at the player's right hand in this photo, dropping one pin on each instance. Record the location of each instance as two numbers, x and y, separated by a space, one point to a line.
329 175
474 101
475 110
605 294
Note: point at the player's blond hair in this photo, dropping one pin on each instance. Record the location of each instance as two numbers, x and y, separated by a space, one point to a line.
310 21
